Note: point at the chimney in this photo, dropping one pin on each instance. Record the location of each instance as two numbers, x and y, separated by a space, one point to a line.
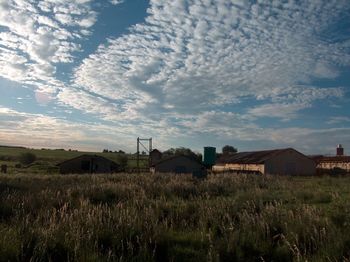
340 150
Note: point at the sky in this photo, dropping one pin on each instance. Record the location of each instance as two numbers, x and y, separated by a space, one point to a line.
256 74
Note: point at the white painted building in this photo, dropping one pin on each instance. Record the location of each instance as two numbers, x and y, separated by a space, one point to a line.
279 161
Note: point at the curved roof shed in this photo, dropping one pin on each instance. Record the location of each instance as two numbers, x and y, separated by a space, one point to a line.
88 164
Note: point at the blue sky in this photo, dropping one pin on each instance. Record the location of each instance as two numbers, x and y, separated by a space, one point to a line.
97 74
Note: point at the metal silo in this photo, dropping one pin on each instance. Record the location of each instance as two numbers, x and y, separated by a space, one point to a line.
209 156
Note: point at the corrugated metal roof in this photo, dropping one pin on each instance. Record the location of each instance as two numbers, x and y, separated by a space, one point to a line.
87 156
155 151
254 157
333 159
174 157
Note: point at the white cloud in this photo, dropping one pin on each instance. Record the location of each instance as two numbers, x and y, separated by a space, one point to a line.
338 120
173 75
312 141
116 2
197 55
87 22
44 131
64 19
38 35
286 105
283 111
323 70
190 58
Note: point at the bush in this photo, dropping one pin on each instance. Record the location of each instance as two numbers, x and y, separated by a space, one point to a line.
123 161
27 158
7 158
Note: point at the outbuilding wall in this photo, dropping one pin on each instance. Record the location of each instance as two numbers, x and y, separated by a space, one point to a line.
178 165
96 165
290 162
155 156
332 165
239 168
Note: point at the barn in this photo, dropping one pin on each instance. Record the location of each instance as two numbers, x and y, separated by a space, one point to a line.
286 161
333 164
155 156
88 164
179 164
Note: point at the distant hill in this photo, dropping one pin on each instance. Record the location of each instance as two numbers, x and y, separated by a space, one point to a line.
13 146
50 157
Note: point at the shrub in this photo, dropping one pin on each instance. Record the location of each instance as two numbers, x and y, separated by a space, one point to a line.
7 158
123 161
27 158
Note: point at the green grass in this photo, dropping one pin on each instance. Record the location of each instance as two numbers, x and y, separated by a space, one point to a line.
51 155
47 159
129 217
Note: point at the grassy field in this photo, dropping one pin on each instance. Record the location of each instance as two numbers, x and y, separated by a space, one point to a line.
47 159
127 217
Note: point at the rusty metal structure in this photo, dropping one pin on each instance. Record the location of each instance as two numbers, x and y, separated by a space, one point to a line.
140 142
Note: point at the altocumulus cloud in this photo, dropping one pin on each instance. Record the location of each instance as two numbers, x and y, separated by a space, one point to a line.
182 72
193 55
38 35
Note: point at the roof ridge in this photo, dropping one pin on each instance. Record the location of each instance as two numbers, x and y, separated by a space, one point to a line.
175 156
266 150
86 155
256 157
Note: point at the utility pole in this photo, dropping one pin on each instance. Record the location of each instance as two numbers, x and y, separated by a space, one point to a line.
138 155
149 149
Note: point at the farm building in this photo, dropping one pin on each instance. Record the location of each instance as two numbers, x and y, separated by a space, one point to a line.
155 156
88 164
179 164
333 164
338 164
279 161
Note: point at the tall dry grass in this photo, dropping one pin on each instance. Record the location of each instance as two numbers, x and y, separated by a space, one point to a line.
173 218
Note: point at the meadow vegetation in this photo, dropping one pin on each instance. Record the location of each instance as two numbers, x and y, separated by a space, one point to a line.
143 217
21 160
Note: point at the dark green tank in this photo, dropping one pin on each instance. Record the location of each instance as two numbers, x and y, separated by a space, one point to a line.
209 156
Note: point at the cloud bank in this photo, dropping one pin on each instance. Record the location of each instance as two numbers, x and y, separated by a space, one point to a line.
193 68
191 56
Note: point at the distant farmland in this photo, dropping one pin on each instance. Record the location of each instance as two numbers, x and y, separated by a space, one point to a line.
129 217
47 159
